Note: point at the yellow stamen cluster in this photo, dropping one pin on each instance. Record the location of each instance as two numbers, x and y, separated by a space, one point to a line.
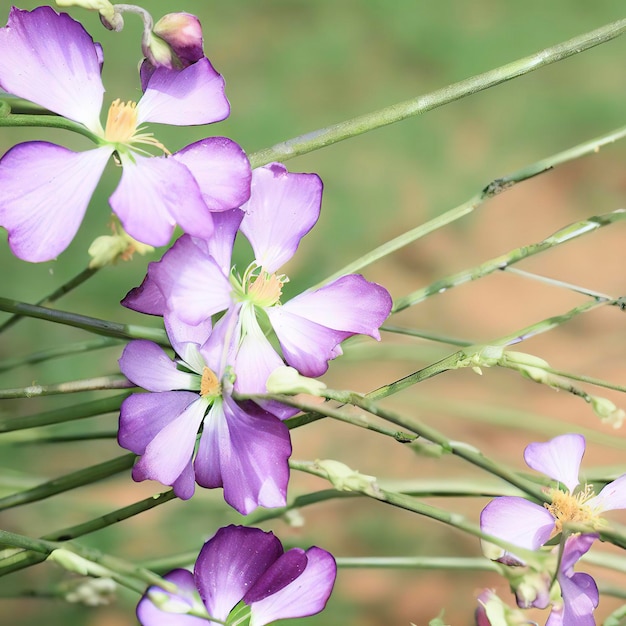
121 122
566 507
209 384
121 127
267 289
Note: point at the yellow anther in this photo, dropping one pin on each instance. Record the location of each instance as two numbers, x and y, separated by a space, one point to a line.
566 507
267 289
121 122
209 384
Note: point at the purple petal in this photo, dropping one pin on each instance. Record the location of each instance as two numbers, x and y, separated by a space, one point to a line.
283 207
307 346
558 458
517 521
278 575
144 415
153 195
182 334
351 304
221 169
146 364
187 97
306 595
185 485
149 614
230 563
575 547
193 284
256 360
220 246
612 496
51 60
167 456
45 193
147 298
252 449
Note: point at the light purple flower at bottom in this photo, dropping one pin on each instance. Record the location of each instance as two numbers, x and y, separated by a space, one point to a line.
248 565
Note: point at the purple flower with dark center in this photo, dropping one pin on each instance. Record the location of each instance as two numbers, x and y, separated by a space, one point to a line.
529 525
49 59
240 574
242 447
193 282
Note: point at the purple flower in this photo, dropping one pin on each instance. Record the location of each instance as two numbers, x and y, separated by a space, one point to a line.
242 448
579 592
249 565
193 282
530 525
50 59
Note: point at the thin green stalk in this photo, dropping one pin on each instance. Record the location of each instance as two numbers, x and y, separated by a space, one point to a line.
495 187
65 414
79 478
27 558
421 508
563 235
453 361
35 437
463 450
60 351
416 106
90 324
447 563
71 284
115 381
17 120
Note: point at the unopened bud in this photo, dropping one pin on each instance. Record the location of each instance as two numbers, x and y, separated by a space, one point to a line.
607 411
289 381
109 249
75 563
345 478
92 591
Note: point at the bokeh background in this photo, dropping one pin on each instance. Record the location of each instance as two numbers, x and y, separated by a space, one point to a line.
291 67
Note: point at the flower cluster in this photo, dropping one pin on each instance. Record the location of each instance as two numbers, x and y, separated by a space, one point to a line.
531 526
228 330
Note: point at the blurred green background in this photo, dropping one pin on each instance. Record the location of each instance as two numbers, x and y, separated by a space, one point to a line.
294 66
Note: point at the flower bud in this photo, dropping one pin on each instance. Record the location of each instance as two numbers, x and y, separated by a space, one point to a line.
345 478
175 43
74 563
109 249
607 411
289 381
92 591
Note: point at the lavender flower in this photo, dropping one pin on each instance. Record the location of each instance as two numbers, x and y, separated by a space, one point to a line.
242 448
530 525
50 59
246 565
193 282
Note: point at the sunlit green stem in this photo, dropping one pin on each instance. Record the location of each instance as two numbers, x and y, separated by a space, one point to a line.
409 503
495 187
514 256
70 481
116 381
79 279
454 360
397 112
46 121
59 351
65 414
123 572
452 563
91 324
27 558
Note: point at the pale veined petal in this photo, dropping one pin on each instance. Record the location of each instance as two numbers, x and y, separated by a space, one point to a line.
45 192
51 60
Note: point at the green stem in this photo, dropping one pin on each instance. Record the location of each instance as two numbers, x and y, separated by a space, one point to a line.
454 563
79 478
65 414
59 351
46 121
116 381
25 559
514 256
416 106
495 187
55 295
90 324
